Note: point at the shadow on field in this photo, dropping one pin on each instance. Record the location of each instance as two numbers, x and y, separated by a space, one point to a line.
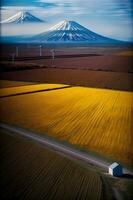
128 176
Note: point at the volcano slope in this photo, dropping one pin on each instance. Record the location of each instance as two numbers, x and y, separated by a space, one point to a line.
22 17
68 32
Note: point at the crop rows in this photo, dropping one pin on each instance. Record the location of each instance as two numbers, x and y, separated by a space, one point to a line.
98 120
29 171
27 88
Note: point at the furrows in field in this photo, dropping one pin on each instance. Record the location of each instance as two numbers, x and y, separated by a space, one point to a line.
99 120
38 173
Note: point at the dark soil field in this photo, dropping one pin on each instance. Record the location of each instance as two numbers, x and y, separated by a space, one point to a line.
87 78
98 63
94 58
25 50
95 63
99 67
29 171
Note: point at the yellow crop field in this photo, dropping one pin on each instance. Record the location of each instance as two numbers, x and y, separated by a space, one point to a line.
97 119
6 83
28 88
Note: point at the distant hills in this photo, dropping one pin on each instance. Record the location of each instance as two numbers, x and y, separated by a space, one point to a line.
21 18
65 32
69 32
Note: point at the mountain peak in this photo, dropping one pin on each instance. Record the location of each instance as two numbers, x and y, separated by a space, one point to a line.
70 31
67 25
24 13
22 17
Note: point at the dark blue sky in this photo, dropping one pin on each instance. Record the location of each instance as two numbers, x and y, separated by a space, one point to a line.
36 3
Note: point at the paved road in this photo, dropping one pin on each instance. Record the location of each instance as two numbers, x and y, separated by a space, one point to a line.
58 147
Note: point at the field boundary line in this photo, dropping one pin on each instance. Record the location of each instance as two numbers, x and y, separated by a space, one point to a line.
37 91
60 148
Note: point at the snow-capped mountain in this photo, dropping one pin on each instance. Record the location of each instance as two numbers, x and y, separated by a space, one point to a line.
69 31
22 17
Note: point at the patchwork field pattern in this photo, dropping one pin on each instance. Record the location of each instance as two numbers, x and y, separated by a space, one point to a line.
29 171
28 88
96 119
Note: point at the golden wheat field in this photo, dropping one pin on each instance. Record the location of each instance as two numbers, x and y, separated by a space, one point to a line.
97 119
28 88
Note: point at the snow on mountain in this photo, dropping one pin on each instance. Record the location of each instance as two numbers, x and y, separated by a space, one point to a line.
22 17
67 25
69 31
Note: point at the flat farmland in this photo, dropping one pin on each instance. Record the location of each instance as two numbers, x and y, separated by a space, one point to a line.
113 58
26 50
95 119
97 79
101 67
28 89
29 171
113 63
109 63
8 84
